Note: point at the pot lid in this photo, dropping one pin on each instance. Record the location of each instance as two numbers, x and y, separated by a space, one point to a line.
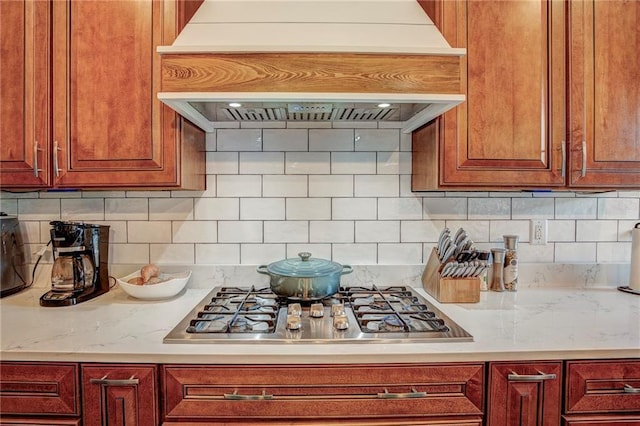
304 266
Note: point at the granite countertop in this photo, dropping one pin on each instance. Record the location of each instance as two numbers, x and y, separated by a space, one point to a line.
531 324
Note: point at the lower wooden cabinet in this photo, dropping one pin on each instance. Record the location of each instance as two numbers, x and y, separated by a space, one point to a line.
39 393
602 392
525 394
120 395
332 394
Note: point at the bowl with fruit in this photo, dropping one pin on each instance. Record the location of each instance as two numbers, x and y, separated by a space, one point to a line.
152 284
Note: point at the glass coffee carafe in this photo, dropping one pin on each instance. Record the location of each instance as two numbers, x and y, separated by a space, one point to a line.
72 271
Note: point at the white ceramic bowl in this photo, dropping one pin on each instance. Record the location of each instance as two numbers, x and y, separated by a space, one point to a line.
174 283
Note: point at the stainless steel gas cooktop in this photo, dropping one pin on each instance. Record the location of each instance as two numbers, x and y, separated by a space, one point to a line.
353 315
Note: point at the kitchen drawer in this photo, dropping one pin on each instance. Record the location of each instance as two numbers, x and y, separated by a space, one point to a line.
602 420
603 386
39 389
329 392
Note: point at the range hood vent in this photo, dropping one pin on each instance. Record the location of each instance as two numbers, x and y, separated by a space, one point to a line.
310 60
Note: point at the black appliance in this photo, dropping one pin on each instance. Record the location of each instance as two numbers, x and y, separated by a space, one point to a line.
13 261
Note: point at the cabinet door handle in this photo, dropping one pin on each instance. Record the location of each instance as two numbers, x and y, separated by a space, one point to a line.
564 158
631 389
36 148
236 397
132 381
584 159
530 377
413 394
56 148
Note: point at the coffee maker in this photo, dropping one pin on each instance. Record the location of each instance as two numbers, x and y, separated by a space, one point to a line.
80 258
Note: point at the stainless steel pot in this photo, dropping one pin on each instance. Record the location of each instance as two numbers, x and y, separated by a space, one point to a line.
305 278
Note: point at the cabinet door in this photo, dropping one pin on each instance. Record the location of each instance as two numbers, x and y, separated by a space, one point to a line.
526 394
24 92
605 94
109 128
510 131
119 395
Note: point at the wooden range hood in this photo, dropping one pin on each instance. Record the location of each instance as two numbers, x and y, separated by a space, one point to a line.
310 60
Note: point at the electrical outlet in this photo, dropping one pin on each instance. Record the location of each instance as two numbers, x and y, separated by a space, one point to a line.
538 232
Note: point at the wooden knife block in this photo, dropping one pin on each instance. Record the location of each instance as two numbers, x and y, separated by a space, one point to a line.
448 290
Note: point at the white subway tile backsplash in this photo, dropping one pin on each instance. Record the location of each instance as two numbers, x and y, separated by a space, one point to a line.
261 254
83 209
262 209
172 254
613 252
171 209
285 140
354 208
149 232
576 208
262 163
372 231
318 251
377 140
399 208
222 163
355 254
418 231
308 208
129 253
217 209
339 190
388 163
217 254
400 254
444 208
194 232
532 208
575 253
489 208
331 185
498 228
290 231
285 185
331 140
239 140
307 163
337 231
561 230
596 230
354 163
239 186
247 231
126 209
618 208
377 185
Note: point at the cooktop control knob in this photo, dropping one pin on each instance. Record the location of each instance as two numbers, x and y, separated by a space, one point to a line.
338 308
316 310
294 322
294 309
340 321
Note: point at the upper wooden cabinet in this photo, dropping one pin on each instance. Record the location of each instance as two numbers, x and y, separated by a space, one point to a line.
546 81
108 130
604 94
25 93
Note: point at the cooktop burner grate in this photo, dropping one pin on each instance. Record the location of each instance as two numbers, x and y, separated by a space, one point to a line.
354 314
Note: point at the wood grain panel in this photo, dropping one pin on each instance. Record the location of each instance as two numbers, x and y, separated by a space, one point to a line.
510 131
24 94
38 389
299 72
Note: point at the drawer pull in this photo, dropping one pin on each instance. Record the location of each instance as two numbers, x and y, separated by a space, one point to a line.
132 381
413 394
236 397
530 377
631 389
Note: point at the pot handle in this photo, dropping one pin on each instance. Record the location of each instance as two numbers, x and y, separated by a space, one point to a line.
346 269
262 269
